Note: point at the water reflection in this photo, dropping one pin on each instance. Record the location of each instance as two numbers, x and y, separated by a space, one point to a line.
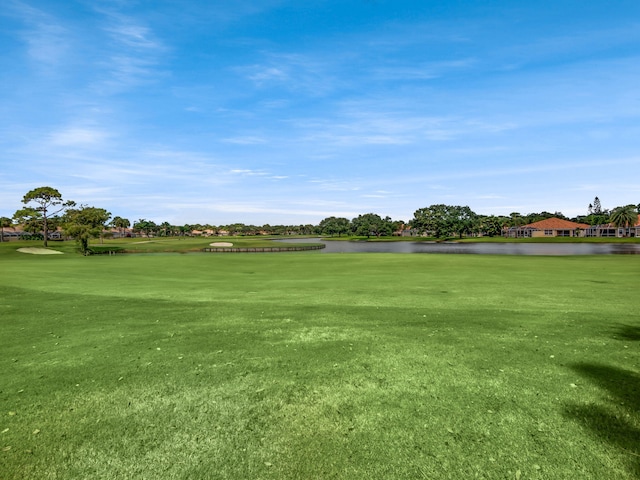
338 246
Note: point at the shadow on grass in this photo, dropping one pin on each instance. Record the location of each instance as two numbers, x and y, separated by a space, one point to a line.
629 332
616 421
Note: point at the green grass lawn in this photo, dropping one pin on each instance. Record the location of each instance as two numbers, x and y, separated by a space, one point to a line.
319 366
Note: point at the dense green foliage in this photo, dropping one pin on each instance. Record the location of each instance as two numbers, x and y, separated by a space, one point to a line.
291 366
372 224
444 220
84 223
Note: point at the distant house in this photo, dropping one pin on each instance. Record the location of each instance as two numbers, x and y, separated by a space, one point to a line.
550 227
12 233
202 233
115 232
610 230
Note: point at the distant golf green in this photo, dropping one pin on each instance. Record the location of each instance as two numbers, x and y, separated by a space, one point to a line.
318 366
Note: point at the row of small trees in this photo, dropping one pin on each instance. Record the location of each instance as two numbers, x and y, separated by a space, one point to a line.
45 210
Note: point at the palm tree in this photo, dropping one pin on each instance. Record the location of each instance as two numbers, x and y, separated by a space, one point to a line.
120 223
165 229
624 217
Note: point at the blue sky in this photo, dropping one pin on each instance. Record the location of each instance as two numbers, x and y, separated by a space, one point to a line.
286 112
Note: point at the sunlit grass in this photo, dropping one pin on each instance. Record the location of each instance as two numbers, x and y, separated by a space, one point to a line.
319 366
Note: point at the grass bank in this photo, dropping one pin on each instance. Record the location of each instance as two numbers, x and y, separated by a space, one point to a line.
319 366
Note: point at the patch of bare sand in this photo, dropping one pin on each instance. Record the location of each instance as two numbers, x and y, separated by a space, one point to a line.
221 244
39 251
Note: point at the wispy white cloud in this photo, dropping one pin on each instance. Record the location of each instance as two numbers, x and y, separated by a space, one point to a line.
245 140
126 32
46 37
262 75
133 56
288 210
78 136
579 42
248 172
490 197
426 71
334 185
394 125
312 74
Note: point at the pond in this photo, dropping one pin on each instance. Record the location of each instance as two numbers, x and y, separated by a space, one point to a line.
338 246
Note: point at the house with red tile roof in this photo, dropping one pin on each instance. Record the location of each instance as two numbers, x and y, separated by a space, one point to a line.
553 227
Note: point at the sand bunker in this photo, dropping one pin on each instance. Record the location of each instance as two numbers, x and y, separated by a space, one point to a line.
221 244
39 251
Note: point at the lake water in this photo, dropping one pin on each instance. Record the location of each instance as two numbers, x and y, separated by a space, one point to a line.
338 246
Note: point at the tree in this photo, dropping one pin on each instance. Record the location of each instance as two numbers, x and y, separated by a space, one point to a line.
165 229
491 226
443 220
372 224
5 222
334 226
597 207
431 220
148 227
624 217
84 223
463 219
48 202
29 219
120 223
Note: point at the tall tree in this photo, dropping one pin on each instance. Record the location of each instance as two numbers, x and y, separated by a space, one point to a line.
597 206
84 223
48 202
5 222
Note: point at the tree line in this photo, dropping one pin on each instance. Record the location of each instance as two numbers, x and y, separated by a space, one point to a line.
46 211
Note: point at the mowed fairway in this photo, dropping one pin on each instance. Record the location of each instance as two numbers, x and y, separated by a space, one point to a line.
319 366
